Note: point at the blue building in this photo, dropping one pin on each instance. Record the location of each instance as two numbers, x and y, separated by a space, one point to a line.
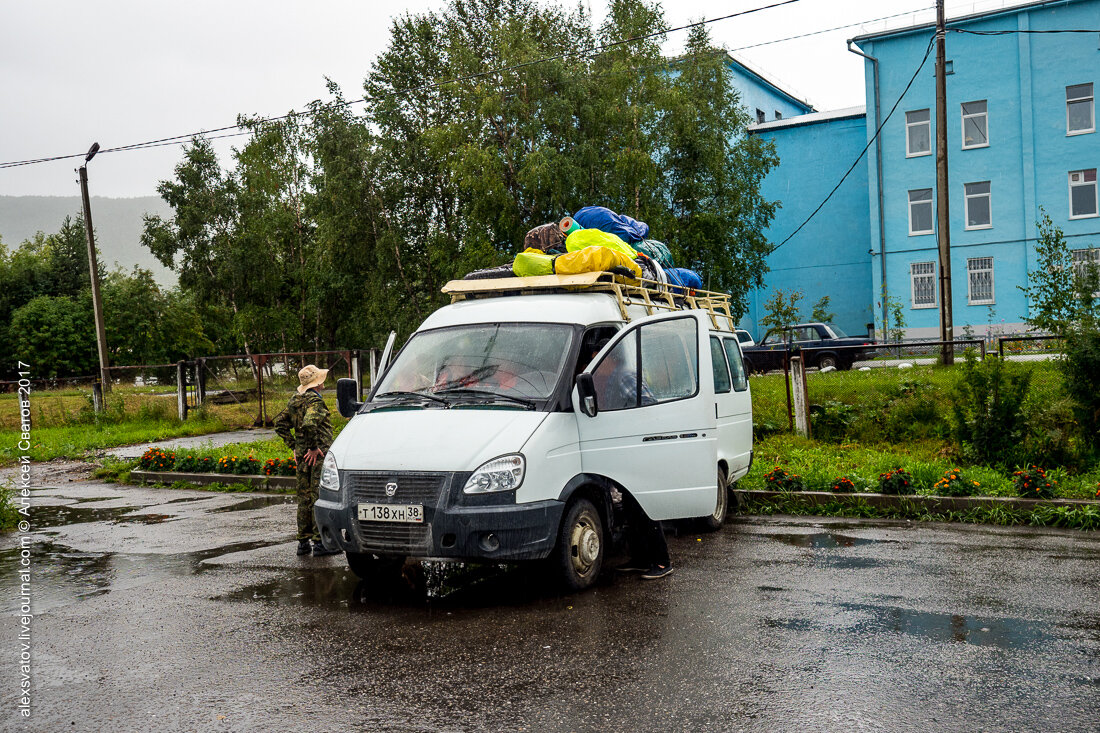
763 98
1021 131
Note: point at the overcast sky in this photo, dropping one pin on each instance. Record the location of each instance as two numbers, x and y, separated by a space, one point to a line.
120 72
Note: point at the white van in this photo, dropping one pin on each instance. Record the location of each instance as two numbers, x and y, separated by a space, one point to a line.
496 435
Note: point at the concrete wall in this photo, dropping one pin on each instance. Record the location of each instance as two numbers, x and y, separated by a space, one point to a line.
1023 77
829 256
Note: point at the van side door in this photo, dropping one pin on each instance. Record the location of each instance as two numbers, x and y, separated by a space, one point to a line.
655 431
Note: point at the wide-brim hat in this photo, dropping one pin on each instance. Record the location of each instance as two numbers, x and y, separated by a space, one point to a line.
310 376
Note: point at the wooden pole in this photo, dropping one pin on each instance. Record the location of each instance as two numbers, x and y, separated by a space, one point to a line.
97 302
943 226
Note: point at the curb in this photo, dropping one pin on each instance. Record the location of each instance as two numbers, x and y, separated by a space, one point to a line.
204 479
945 503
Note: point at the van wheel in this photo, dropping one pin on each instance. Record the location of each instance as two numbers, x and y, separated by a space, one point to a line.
714 522
579 553
368 566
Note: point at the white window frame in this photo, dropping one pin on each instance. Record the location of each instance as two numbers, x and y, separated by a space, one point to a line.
971 271
966 208
908 127
974 115
931 203
1095 201
914 276
1091 99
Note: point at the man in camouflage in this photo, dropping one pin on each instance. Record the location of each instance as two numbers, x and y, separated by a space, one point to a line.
306 429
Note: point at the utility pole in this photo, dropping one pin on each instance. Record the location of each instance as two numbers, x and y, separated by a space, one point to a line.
943 229
97 302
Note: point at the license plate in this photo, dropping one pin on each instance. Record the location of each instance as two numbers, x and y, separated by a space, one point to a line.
412 513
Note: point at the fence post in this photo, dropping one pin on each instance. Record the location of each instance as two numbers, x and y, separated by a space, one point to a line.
97 395
200 382
181 389
801 408
356 375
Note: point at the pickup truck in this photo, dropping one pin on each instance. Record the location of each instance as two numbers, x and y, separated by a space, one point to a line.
824 344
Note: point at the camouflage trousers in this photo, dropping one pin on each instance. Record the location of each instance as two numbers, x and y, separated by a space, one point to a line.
309 481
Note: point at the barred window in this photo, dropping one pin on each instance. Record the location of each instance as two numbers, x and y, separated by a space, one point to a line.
922 280
1084 260
979 290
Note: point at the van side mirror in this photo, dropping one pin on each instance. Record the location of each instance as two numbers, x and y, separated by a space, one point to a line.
586 390
346 392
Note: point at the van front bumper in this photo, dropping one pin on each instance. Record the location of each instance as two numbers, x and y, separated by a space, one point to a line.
456 525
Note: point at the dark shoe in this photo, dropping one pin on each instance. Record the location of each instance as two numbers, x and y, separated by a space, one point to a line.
303 547
657 571
320 551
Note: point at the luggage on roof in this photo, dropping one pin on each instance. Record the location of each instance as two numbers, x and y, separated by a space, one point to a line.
604 219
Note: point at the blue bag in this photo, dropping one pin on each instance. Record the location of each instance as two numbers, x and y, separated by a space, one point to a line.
606 220
687 279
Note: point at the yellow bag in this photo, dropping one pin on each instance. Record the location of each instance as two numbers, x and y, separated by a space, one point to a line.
582 238
594 259
531 262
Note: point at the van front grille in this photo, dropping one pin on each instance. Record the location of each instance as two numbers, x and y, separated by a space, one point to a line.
391 536
409 487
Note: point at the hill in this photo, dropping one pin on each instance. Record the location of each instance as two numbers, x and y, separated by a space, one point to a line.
117 221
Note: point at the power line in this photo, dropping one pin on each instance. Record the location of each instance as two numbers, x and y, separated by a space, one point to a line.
866 147
830 30
594 51
1007 32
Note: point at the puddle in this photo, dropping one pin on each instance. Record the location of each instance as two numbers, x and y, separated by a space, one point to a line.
1005 633
424 584
823 540
63 576
57 515
256 502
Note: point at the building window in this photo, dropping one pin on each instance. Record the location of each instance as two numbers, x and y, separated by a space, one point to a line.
1082 194
1079 117
918 133
778 115
978 214
922 283
979 285
759 115
1085 260
975 124
920 211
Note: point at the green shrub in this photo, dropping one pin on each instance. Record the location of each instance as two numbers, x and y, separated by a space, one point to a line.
779 480
831 421
9 513
954 483
897 481
156 459
195 464
843 485
1081 369
1034 483
987 407
915 417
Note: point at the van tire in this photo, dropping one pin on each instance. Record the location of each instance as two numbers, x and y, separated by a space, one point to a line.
368 566
579 553
714 522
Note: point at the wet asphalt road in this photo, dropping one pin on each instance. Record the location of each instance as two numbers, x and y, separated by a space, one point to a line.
181 610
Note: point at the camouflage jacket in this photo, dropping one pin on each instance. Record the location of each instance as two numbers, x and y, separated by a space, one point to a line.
305 423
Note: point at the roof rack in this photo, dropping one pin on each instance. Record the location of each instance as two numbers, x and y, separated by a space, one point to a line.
651 295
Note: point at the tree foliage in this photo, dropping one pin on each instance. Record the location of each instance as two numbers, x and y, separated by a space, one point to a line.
332 227
782 309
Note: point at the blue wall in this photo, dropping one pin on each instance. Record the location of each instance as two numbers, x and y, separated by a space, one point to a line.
759 93
1024 78
829 256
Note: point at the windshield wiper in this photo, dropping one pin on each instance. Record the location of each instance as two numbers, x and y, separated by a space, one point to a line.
529 404
421 395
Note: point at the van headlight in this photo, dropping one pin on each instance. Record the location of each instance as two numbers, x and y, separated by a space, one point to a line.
500 474
330 474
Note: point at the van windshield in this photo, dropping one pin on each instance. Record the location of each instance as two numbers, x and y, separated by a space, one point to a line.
513 360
